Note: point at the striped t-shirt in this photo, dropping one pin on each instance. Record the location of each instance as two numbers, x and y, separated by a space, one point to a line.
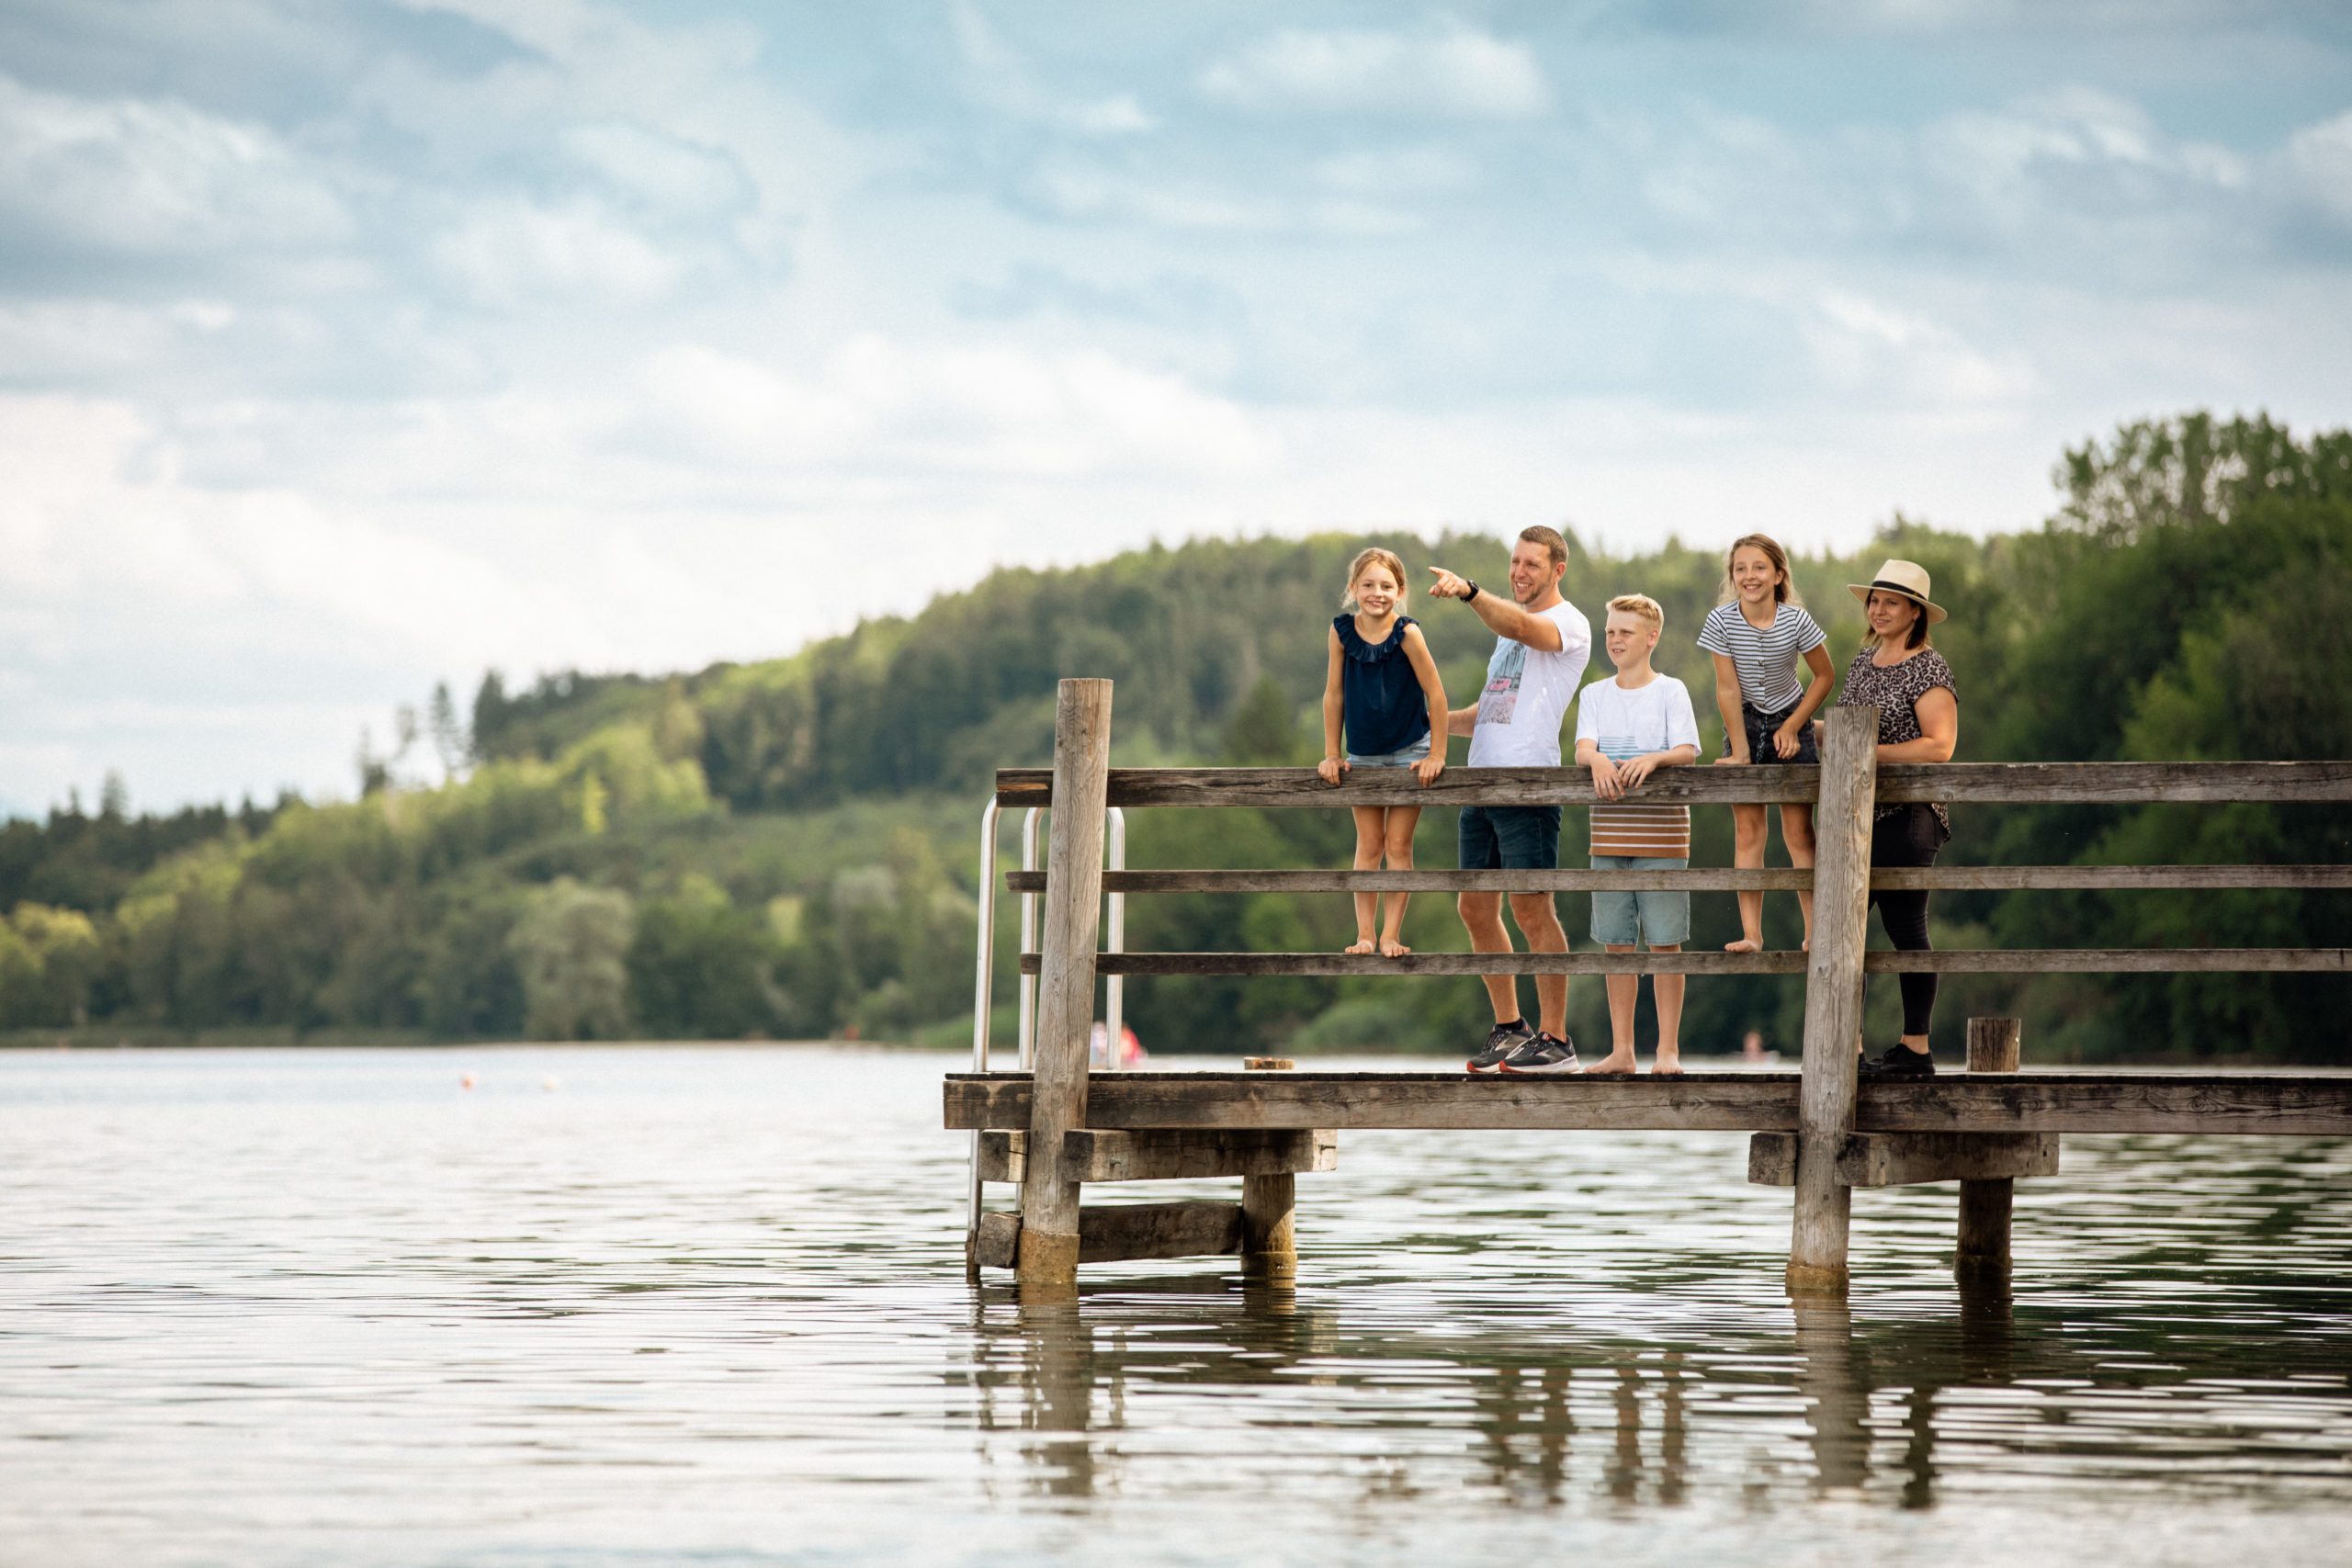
1624 724
1766 659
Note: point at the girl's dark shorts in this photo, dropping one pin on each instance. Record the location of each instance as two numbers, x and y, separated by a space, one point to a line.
1761 725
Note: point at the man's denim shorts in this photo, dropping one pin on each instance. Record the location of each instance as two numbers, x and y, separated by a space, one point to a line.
1511 838
1404 758
1625 919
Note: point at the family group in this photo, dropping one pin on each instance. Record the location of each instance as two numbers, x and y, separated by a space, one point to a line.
1384 706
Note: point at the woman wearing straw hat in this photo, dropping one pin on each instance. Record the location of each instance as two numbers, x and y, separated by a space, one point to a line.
1899 672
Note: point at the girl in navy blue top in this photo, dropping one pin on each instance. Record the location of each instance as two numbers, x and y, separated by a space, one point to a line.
1381 688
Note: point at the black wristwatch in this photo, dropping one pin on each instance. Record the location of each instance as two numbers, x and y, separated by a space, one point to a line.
1472 584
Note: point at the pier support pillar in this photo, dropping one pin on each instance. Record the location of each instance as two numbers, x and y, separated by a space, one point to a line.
1049 1202
1993 1046
1268 1209
1833 996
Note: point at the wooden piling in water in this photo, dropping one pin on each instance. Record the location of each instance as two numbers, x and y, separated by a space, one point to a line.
1985 1204
1049 1248
1270 1207
1833 997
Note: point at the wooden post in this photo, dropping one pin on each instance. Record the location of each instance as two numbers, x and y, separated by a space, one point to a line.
1049 1249
1268 1209
1833 996
1984 1205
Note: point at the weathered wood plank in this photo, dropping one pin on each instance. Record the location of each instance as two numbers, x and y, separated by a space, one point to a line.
2117 961
999 1243
1946 961
1783 963
1729 1101
1004 1156
2249 1102
1458 786
2052 1102
1127 1233
1050 1245
1907 1159
2048 784
1769 879
1108 1154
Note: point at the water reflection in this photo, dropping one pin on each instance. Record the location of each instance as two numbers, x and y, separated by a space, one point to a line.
1553 1416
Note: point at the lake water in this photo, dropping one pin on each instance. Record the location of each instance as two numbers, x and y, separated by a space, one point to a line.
707 1305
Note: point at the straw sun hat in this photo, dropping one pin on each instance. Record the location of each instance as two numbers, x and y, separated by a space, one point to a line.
1907 578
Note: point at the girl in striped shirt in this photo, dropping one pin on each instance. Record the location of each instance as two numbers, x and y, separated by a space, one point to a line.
1757 633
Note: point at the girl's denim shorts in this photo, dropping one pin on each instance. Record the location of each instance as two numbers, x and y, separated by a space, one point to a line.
1404 758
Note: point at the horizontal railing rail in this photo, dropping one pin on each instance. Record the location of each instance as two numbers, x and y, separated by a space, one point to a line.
1714 879
1968 961
2021 783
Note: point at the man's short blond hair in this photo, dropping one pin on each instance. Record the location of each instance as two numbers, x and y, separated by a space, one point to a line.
1641 604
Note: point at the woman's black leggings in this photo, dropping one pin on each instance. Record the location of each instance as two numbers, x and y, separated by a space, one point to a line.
1909 838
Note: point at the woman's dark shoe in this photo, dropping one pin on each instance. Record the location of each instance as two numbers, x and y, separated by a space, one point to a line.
1899 1061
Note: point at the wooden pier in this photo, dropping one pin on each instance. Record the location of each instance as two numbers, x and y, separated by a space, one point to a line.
1816 1130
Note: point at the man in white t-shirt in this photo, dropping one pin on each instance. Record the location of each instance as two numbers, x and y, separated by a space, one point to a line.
1542 642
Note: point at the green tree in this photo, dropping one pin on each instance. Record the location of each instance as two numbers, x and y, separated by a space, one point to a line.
570 948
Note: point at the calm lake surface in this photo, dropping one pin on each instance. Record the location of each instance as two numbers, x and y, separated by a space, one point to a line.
707 1305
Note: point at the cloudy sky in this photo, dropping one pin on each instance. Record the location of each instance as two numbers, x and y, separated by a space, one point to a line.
345 347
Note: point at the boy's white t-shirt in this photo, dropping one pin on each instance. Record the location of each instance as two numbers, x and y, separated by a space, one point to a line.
1527 693
1623 725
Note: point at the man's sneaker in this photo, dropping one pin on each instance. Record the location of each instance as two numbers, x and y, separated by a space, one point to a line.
1542 1055
1898 1061
1506 1038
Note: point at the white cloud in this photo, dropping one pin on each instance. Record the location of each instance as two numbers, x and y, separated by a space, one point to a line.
881 406
1455 73
664 173
512 251
1901 359
1001 77
2318 162
154 178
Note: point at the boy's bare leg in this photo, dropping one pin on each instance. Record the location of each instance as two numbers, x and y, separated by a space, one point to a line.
1666 991
1371 838
1796 831
1539 919
1482 916
1402 821
1748 833
1624 996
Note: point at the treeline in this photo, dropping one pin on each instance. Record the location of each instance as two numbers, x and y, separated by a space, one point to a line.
783 848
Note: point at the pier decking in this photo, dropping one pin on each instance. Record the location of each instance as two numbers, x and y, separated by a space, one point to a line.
1816 1130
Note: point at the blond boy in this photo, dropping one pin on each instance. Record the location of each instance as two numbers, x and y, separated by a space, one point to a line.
1627 727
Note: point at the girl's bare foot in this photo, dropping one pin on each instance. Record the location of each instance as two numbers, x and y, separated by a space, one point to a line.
1743 945
1612 1066
1361 946
1807 944
1667 1068
1391 948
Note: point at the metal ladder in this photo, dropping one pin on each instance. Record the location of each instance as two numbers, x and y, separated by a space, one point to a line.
1025 1026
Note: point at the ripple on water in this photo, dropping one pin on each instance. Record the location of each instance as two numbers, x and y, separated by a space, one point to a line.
303 1307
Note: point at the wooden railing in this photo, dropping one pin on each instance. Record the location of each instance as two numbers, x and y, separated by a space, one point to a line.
1840 1140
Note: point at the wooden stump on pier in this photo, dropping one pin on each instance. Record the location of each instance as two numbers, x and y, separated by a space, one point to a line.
1833 997
1993 1046
1049 1246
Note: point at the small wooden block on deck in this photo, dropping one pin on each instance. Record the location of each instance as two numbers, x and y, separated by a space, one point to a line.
1905 1159
1127 1233
1096 1154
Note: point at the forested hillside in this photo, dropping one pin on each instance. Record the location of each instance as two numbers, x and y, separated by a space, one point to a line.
787 849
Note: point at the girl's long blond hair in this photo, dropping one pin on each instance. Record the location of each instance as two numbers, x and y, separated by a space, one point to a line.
1373 556
1783 591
